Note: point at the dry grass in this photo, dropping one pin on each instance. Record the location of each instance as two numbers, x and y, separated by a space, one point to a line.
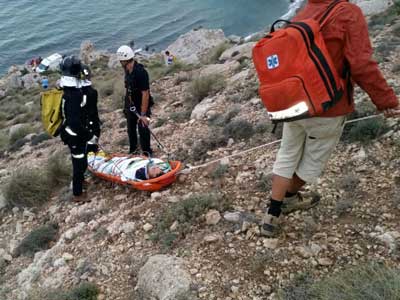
37 240
59 169
20 133
205 86
27 188
186 213
84 291
373 281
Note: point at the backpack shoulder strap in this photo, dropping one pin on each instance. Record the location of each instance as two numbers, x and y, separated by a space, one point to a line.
331 8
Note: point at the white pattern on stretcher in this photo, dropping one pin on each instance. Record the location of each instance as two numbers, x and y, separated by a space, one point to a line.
123 167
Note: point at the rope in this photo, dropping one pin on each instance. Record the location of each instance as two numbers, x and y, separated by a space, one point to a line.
190 168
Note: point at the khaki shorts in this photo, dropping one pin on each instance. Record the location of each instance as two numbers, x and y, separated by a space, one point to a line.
306 147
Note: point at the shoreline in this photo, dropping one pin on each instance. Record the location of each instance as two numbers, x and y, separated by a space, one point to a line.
291 8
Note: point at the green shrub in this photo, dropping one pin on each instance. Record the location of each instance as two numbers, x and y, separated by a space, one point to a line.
159 122
18 144
214 140
59 169
244 92
365 131
3 116
215 53
396 30
20 133
84 291
27 188
368 282
186 212
222 119
262 127
157 68
181 116
13 109
40 138
264 183
182 77
386 17
259 261
37 240
239 129
118 96
4 140
219 171
205 86
105 88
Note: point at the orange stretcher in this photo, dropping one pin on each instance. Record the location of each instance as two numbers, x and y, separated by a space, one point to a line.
150 185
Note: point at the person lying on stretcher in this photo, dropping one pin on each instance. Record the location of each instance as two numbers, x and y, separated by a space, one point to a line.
127 167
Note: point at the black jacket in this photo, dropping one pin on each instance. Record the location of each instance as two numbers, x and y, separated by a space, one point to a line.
92 121
75 115
135 83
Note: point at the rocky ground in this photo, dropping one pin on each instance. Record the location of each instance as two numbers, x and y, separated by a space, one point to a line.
134 244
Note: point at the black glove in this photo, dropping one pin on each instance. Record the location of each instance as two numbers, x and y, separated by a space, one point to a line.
92 144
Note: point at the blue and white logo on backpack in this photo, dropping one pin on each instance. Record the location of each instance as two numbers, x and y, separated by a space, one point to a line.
272 62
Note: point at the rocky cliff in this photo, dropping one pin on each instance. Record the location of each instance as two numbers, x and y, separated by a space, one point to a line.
198 239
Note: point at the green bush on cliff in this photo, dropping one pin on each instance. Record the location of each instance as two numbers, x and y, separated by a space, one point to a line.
84 291
185 212
27 188
205 86
373 281
215 53
386 17
157 68
37 240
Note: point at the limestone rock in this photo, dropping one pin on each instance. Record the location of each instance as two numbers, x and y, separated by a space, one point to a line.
31 80
370 7
192 46
213 217
238 52
164 278
220 69
88 53
233 217
147 227
15 82
201 109
113 62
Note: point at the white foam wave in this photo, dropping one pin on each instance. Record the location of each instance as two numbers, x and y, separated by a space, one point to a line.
293 8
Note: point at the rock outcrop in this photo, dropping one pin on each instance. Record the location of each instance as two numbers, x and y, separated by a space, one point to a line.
164 278
192 46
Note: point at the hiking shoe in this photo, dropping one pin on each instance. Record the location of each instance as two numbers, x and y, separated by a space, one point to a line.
81 199
299 202
271 225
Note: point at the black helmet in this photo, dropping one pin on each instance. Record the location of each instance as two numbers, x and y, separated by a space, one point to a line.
86 73
71 66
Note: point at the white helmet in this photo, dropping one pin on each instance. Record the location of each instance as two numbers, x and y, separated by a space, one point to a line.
125 53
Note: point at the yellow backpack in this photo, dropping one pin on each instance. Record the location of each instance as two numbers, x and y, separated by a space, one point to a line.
51 111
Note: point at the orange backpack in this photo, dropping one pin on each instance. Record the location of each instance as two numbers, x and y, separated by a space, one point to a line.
297 76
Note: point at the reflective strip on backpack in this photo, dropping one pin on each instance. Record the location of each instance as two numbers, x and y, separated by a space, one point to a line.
292 112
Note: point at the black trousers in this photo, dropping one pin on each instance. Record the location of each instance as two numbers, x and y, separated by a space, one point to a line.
144 133
79 166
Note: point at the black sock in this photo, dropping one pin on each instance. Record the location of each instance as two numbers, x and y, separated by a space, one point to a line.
288 194
275 208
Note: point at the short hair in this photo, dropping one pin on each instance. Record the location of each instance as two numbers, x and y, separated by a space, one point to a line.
167 52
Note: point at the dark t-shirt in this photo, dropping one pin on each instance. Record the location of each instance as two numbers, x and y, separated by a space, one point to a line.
135 83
